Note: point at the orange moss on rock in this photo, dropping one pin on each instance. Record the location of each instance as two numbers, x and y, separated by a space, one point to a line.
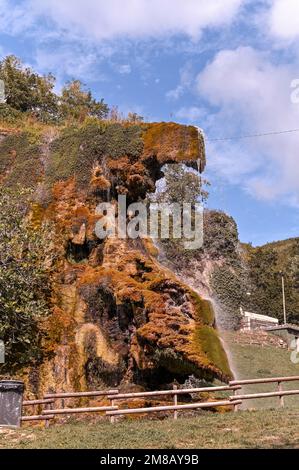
171 142
173 318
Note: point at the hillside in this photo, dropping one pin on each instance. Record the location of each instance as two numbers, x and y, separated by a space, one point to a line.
264 265
226 271
260 355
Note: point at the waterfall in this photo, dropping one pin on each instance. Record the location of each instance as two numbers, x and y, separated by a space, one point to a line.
217 313
201 135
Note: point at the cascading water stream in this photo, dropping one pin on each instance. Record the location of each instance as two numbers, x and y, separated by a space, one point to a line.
217 313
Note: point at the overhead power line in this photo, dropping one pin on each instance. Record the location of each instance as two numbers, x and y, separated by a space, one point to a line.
251 136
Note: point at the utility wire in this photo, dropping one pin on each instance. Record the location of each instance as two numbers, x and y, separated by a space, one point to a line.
252 136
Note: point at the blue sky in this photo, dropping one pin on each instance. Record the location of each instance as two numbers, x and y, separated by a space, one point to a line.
223 65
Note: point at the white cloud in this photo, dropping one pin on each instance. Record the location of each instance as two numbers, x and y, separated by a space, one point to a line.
185 82
124 69
252 95
15 18
284 19
176 93
69 62
99 19
191 114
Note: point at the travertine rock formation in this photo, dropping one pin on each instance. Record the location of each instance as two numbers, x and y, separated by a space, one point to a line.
117 316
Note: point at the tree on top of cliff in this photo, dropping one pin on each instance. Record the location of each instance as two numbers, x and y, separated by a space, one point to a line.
78 103
28 92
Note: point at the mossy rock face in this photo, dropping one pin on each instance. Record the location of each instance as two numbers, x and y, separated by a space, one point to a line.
130 156
143 321
205 310
76 151
208 340
168 141
171 361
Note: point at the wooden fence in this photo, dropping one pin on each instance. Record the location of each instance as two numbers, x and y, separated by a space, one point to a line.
280 393
234 400
49 400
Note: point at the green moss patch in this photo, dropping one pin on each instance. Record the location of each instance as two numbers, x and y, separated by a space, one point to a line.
204 309
207 340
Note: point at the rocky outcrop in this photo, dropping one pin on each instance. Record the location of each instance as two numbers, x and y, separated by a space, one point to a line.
118 316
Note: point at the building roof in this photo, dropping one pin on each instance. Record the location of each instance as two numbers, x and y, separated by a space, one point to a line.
258 317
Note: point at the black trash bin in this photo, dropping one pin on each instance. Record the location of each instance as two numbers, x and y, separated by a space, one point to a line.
11 398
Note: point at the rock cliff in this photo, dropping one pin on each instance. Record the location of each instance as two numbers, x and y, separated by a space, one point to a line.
117 315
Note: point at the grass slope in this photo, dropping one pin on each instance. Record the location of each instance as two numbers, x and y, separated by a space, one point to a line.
253 361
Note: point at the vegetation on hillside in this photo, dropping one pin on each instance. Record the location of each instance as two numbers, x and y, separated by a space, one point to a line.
77 150
24 284
265 265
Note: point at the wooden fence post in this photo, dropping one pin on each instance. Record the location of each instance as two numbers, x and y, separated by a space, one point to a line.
112 419
175 401
48 406
236 407
281 398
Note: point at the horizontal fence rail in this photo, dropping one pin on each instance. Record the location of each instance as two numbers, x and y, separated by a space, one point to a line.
265 395
67 411
34 403
37 418
264 381
186 391
37 402
98 393
155 409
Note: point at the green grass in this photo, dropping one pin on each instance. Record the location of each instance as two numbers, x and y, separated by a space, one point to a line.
245 429
255 361
259 428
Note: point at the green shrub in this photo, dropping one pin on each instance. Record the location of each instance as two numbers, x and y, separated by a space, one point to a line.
20 160
9 114
24 284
